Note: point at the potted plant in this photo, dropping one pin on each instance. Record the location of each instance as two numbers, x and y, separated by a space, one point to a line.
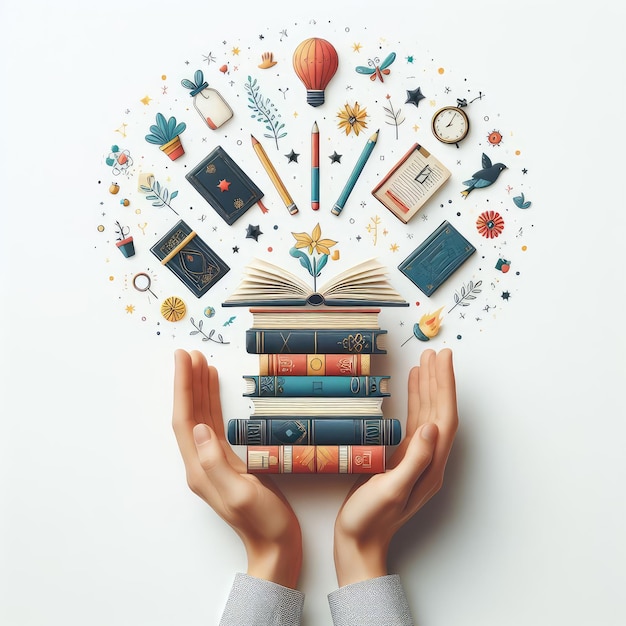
165 133
124 241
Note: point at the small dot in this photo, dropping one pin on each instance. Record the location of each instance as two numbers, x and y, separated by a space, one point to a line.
275 226
518 152
524 248
441 70
270 249
459 337
111 278
100 228
417 304
163 77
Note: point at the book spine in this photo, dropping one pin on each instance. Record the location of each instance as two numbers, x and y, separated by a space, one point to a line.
314 431
327 341
314 364
315 386
316 459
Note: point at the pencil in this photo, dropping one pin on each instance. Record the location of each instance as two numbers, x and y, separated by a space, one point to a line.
274 177
315 167
356 172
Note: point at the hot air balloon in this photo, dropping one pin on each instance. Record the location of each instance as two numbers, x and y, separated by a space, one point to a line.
315 62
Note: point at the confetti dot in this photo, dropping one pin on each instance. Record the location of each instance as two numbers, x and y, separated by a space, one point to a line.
275 226
100 228
111 278
137 211
163 77
417 304
209 311
441 70
270 249
517 152
524 248
459 337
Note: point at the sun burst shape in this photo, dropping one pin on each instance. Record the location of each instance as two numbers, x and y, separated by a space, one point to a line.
352 119
173 309
490 224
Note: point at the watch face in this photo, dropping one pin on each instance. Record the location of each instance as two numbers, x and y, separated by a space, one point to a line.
450 124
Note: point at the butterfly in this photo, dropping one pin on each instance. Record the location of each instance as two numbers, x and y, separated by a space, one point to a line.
374 70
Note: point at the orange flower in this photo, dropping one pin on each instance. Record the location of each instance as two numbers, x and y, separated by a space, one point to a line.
352 118
313 241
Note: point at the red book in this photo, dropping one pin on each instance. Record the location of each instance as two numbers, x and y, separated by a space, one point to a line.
316 459
314 364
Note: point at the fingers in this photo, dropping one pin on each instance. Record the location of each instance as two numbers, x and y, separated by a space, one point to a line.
183 412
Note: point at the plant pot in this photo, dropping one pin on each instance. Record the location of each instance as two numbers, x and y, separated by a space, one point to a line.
126 246
173 148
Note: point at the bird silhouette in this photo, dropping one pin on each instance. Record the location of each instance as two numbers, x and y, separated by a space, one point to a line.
485 177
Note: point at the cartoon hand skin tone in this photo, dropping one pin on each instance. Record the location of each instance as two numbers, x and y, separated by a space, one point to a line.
252 505
377 507
374 509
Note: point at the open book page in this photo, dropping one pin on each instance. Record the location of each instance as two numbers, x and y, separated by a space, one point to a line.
411 183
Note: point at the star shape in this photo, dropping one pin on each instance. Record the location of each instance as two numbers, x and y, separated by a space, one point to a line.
506 295
335 158
235 249
410 59
236 51
209 58
356 47
224 185
292 156
130 308
146 100
414 96
253 232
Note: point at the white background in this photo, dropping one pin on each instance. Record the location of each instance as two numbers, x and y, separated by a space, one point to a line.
97 524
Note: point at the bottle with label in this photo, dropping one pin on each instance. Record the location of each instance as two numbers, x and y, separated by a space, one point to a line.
209 103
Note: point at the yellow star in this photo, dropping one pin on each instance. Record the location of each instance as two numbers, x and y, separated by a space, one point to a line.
394 247
236 51
295 113
416 127
130 308
356 47
146 100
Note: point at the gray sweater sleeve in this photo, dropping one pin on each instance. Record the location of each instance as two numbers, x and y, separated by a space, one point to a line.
371 603
256 602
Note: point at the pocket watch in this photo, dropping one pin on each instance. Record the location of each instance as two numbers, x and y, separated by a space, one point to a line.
450 124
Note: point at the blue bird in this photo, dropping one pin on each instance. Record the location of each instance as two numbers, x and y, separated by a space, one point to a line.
485 177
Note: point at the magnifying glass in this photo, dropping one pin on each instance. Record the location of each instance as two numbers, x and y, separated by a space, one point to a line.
142 282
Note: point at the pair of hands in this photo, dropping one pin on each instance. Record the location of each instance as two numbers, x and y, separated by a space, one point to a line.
374 509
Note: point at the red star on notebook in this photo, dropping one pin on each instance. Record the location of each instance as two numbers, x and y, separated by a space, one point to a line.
224 185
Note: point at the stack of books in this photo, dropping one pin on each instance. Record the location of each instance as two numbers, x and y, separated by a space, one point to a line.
317 408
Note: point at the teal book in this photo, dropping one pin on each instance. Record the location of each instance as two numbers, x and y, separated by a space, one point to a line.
309 341
315 386
324 431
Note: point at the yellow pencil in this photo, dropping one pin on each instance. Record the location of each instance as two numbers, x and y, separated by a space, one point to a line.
274 177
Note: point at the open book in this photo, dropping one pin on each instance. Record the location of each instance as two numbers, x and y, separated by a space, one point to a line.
266 284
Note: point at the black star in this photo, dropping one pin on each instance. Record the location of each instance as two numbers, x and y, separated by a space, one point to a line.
293 156
253 232
235 249
335 158
524 171
414 96
506 295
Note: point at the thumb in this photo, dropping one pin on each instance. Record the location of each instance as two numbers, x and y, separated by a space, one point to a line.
212 458
417 457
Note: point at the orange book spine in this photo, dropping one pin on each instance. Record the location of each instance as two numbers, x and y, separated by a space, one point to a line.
316 459
314 364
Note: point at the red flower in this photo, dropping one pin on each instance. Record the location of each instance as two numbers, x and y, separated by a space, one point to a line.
490 224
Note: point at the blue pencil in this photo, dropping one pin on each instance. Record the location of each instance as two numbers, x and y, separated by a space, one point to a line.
356 172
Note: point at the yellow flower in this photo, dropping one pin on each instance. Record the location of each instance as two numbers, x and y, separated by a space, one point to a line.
352 119
313 241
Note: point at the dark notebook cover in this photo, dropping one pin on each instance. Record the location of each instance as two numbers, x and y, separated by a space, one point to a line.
436 258
224 185
193 262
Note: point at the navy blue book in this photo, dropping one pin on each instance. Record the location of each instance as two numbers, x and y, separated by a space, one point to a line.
190 258
437 258
323 431
224 185
308 341
316 386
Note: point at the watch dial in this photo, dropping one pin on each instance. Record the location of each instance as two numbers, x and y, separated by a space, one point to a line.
450 125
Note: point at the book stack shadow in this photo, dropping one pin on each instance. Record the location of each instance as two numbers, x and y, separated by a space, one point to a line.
317 407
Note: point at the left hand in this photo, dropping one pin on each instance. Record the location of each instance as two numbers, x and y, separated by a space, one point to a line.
252 505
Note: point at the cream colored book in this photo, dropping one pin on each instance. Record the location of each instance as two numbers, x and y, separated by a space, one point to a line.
266 284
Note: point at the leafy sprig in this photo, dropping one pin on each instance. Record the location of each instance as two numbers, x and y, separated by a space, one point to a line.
206 337
264 111
467 293
396 117
160 196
